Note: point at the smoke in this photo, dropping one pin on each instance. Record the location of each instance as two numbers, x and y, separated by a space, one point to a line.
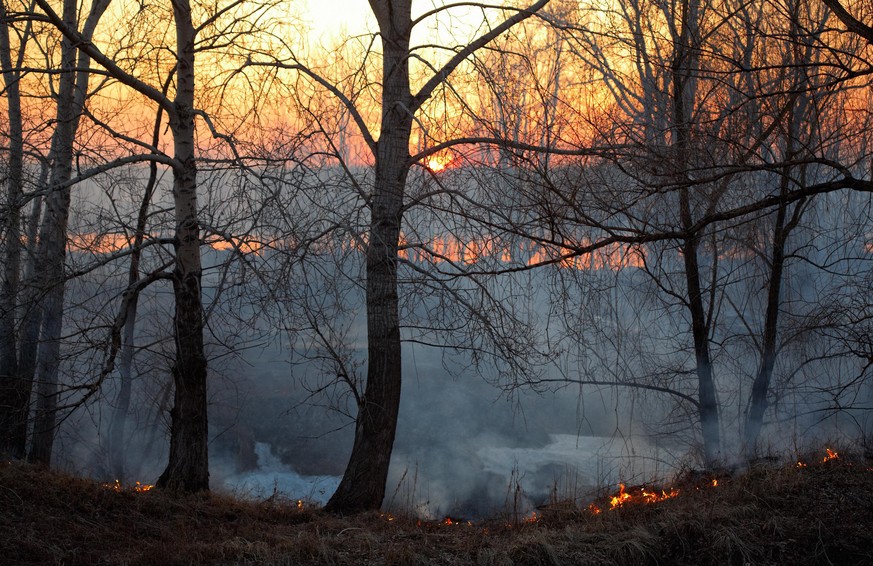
272 477
464 448
465 451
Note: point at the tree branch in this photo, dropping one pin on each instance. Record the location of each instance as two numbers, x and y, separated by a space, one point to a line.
853 24
96 55
468 50
350 106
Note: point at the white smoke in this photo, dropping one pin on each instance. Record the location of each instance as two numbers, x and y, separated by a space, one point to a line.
273 478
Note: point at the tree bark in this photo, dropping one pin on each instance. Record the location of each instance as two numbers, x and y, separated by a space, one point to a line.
188 465
761 385
14 393
187 468
700 326
769 345
363 484
684 88
53 250
802 124
52 247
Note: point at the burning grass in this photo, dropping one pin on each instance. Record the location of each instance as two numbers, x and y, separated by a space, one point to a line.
817 513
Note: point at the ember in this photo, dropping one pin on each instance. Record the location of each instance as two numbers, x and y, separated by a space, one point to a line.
454 522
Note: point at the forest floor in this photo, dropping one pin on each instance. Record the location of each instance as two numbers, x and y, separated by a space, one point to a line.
817 513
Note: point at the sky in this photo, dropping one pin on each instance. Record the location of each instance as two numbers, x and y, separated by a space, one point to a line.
329 19
335 17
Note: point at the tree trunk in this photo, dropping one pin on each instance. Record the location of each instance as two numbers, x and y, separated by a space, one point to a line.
72 91
800 131
706 393
14 393
29 305
363 484
53 250
188 465
769 346
43 436
684 88
118 422
761 385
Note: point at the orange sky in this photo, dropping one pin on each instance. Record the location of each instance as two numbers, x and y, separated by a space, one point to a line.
332 18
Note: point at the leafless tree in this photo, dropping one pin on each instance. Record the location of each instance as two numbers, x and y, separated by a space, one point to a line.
698 155
14 394
187 468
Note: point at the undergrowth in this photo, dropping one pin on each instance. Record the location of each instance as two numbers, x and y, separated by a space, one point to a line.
818 514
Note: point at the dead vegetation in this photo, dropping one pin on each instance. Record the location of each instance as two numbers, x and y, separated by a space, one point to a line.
818 514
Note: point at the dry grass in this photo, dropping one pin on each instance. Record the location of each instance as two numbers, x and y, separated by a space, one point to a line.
821 514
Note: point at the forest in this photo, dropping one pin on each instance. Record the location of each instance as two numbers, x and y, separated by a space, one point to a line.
232 233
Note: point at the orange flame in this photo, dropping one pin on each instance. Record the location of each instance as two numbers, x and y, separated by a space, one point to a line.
636 495
831 455
619 498
138 487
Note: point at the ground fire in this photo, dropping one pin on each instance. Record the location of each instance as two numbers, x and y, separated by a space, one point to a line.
830 455
137 486
639 494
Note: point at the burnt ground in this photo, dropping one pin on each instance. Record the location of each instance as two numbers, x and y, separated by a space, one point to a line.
777 514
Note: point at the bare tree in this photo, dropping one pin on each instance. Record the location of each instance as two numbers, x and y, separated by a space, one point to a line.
14 393
51 252
187 468
118 423
696 137
363 484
